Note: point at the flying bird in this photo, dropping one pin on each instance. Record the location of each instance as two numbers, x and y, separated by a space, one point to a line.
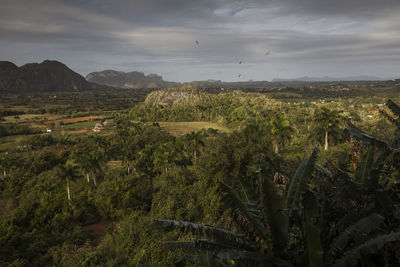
240 62
197 42
239 75
267 53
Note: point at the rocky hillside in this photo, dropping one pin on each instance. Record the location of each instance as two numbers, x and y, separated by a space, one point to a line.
46 76
175 97
132 79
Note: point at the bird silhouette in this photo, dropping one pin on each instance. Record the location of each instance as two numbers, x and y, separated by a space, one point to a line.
197 42
239 75
240 62
267 53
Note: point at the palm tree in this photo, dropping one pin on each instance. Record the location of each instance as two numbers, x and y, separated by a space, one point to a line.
81 158
68 172
327 121
194 141
95 162
281 131
4 164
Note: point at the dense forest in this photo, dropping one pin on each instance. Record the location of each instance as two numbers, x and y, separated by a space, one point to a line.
287 184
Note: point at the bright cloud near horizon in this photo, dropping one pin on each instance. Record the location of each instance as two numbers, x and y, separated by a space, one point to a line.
336 38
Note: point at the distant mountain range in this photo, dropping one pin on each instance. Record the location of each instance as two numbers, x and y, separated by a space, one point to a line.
330 79
52 75
131 80
46 76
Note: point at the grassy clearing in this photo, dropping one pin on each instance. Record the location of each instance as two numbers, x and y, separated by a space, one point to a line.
182 128
80 125
114 164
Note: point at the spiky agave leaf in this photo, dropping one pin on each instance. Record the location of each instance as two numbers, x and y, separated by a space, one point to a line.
369 247
273 204
363 226
298 183
206 231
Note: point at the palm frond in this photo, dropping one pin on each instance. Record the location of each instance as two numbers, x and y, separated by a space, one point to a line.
198 229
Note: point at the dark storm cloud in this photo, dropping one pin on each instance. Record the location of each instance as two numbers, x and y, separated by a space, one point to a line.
309 36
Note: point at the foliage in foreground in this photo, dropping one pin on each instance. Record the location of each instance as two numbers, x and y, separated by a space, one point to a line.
326 215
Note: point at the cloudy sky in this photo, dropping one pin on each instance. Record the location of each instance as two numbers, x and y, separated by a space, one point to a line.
336 38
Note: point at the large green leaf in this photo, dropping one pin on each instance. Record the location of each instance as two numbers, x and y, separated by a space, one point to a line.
314 252
369 140
363 170
273 204
363 226
198 229
390 118
298 183
393 107
370 247
237 204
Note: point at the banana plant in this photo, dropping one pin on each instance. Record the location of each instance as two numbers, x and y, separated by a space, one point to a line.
265 225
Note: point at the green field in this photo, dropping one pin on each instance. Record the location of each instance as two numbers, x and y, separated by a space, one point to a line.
80 125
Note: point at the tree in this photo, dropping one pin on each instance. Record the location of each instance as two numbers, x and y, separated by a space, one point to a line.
327 121
68 171
281 131
194 140
5 164
95 162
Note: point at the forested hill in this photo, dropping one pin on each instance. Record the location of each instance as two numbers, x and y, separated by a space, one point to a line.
130 80
40 77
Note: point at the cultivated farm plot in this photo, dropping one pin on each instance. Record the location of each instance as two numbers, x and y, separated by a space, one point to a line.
182 128
80 125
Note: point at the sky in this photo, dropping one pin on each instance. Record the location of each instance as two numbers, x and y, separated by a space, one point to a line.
336 38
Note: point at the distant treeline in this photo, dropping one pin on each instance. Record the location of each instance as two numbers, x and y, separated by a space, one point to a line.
16 129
